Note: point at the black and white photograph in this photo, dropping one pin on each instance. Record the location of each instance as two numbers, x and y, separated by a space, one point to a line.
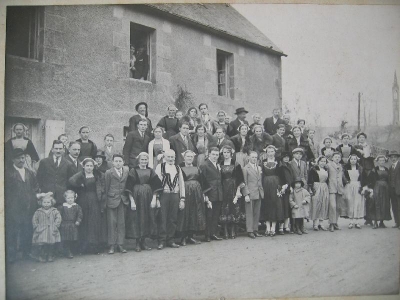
201 150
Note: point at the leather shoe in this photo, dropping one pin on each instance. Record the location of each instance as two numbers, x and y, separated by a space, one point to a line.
121 249
395 226
215 238
251 235
111 251
183 242
137 248
173 245
382 225
336 227
257 234
160 246
193 241
208 239
331 229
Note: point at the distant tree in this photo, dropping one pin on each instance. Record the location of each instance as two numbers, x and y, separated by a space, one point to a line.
183 98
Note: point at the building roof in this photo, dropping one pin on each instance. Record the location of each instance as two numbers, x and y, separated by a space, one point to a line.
222 19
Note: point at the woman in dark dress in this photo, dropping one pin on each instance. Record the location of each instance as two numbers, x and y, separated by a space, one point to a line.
380 208
368 180
142 185
88 147
22 142
89 185
192 118
232 182
192 219
273 183
287 174
102 166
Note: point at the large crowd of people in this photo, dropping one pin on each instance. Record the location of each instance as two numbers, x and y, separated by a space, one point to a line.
190 177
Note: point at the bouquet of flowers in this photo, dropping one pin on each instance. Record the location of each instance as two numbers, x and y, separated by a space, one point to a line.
367 192
282 190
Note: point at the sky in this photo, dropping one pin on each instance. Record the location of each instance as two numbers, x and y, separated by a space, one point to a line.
334 52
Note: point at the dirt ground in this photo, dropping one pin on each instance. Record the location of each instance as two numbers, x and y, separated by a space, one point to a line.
347 262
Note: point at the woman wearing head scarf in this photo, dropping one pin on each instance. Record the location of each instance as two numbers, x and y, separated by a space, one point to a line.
89 185
141 186
21 142
192 219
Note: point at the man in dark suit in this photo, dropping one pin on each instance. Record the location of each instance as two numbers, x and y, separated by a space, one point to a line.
73 155
182 142
394 185
169 123
212 173
279 141
142 110
136 142
271 124
116 203
54 172
241 113
288 127
222 140
20 204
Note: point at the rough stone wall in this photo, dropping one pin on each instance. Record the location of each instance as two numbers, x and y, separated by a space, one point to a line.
84 76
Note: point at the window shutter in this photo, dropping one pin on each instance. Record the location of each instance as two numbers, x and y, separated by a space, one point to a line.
53 129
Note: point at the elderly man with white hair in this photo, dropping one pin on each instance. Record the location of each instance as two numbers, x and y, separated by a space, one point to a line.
172 198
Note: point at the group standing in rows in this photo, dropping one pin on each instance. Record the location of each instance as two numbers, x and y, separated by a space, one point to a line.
187 177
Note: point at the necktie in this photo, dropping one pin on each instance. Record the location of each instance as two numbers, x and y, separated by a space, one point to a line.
186 142
76 163
219 142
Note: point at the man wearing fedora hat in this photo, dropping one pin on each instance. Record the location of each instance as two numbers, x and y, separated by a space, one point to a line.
394 185
143 113
20 204
241 113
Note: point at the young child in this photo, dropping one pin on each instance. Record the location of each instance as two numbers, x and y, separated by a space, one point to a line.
71 214
46 222
109 149
116 203
299 202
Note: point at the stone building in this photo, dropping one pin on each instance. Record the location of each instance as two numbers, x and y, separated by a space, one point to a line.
69 66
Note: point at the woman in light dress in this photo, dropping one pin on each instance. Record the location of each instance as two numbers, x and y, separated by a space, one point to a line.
354 203
317 182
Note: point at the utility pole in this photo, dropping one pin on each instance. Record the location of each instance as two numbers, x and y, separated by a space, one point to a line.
359 112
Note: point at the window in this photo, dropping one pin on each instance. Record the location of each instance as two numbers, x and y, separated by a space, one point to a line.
25 31
140 52
225 74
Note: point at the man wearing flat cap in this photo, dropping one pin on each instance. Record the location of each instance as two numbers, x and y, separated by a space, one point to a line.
20 204
143 113
241 113
394 185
